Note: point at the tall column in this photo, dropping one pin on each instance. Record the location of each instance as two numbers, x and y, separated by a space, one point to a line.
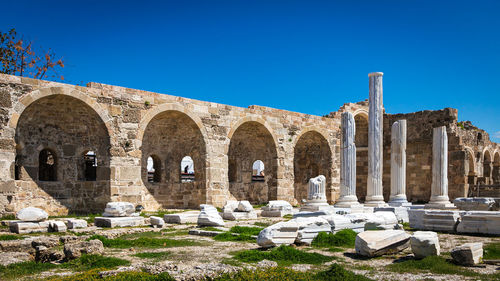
398 164
374 191
439 189
348 163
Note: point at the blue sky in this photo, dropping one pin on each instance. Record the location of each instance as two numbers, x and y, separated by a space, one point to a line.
306 56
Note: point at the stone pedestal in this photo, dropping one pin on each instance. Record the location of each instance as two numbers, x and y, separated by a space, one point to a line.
439 189
374 193
348 196
316 195
398 165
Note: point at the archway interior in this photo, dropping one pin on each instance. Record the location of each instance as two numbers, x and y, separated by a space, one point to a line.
361 141
54 136
249 143
496 169
470 169
487 167
170 137
312 157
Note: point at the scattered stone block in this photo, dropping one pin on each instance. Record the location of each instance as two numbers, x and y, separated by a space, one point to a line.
118 221
74 251
400 212
425 243
468 254
22 227
440 220
23 245
231 206
358 220
232 216
182 218
44 254
338 222
76 223
32 214
381 221
416 218
157 221
57 226
380 242
309 227
313 214
476 204
245 206
201 232
209 216
482 222
119 209
282 233
277 208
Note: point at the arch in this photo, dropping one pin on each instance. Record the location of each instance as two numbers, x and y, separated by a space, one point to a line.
496 167
312 157
251 141
487 166
154 169
361 142
171 135
244 120
315 129
69 124
471 160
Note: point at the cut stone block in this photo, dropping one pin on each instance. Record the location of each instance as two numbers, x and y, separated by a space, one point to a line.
308 229
57 226
416 218
119 209
476 204
278 234
380 242
76 223
468 254
425 243
400 212
28 227
358 220
338 222
209 216
482 222
32 214
118 221
313 214
75 250
440 220
277 208
231 206
182 218
381 221
232 216
156 221
245 206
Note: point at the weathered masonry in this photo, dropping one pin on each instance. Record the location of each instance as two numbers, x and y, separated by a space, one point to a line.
68 148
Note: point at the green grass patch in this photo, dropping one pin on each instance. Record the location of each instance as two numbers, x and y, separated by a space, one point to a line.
161 213
492 251
227 236
153 255
258 206
246 230
16 270
432 264
88 262
8 217
7 237
289 216
93 275
144 242
211 228
263 224
343 238
283 255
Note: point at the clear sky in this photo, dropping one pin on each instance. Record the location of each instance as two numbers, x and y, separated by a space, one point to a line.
306 56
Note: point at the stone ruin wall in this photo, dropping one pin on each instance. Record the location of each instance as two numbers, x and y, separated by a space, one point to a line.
126 126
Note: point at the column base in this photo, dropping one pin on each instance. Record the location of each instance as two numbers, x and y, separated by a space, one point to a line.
347 201
399 204
440 205
314 205
376 204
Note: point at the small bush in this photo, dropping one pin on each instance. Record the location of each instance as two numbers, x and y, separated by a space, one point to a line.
88 262
15 270
143 242
283 255
492 251
246 230
433 264
337 272
226 236
343 238
8 217
152 255
7 237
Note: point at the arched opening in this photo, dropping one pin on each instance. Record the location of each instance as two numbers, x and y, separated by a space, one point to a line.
258 173
154 169
361 141
487 165
75 179
251 142
470 168
47 165
312 157
187 169
170 136
496 168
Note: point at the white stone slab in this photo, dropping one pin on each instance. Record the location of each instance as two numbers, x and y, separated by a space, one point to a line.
232 216
278 234
209 216
245 206
182 218
468 254
400 212
156 221
476 204
118 221
440 220
28 227
57 226
308 229
338 222
76 223
277 208
381 221
481 222
416 218
425 243
119 209
32 214
380 242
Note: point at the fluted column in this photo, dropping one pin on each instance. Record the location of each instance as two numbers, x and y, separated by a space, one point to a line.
439 189
348 196
398 164
316 195
374 190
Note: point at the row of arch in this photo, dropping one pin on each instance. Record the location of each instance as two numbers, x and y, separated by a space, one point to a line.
483 167
63 144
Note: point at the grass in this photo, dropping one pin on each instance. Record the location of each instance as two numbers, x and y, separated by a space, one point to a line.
343 238
246 230
283 255
211 228
16 270
258 206
492 251
245 234
7 237
93 275
161 213
88 262
263 224
143 242
289 216
153 255
8 217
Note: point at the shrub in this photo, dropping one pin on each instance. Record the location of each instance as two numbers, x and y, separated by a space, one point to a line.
343 238
143 242
8 217
15 270
338 273
88 262
246 230
283 255
226 236
7 237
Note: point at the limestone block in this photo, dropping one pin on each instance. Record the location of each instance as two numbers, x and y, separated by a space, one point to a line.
76 223
476 204
28 227
441 220
245 206
277 208
400 212
378 243
231 206
278 234
57 226
157 221
232 216
73 251
119 209
118 221
209 216
381 221
468 254
313 214
483 222
416 218
182 218
358 220
338 222
32 214
308 229
425 243
23 245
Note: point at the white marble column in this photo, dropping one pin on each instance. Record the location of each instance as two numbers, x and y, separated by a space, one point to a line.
398 165
439 189
348 196
316 195
374 190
